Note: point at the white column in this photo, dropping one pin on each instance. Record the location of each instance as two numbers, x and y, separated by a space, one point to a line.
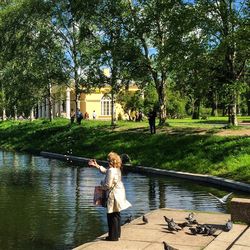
4 114
15 113
39 110
68 103
47 108
55 109
32 114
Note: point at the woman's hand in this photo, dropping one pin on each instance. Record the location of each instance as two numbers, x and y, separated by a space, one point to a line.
93 163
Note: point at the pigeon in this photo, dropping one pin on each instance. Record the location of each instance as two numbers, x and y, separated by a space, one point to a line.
193 230
222 200
191 219
144 219
201 229
166 219
182 225
211 231
172 226
128 220
228 226
190 216
168 247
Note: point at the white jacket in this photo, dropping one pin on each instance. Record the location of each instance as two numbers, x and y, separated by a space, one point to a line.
117 197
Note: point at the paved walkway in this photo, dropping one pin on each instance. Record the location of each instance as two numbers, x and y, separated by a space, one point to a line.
138 235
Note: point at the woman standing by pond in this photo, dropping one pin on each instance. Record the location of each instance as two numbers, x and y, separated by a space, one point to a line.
115 191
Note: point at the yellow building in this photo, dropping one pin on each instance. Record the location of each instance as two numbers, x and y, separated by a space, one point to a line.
98 101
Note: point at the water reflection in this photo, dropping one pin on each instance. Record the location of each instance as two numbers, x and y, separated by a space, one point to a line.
47 204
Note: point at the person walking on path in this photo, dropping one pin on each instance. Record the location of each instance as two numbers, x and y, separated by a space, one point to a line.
116 194
151 120
79 116
94 115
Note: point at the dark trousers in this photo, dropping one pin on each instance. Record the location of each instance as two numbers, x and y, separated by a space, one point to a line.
114 224
152 127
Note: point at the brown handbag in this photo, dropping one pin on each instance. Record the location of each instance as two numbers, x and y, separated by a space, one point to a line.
101 196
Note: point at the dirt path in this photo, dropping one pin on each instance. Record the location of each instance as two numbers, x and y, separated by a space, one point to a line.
228 132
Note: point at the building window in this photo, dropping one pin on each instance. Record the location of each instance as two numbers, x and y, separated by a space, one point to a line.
106 105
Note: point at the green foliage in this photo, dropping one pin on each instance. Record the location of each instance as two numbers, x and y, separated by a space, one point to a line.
32 58
150 98
130 100
202 45
176 105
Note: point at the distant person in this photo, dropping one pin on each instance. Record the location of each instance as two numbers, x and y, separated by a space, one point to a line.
79 116
86 116
136 116
72 116
140 116
115 193
151 120
94 115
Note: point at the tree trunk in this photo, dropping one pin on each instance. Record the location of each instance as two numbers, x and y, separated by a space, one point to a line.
248 107
15 113
3 100
215 105
238 111
232 117
196 110
76 94
162 109
4 114
50 103
161 91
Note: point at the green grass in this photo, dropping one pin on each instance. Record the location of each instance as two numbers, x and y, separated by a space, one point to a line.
180 146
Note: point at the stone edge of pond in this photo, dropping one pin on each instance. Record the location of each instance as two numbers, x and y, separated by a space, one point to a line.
141 169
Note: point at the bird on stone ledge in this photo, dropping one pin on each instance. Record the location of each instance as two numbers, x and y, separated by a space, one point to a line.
166 219
228 226
144 219
193 230
190 216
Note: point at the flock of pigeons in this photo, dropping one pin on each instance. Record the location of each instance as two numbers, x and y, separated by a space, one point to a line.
205 229
192 224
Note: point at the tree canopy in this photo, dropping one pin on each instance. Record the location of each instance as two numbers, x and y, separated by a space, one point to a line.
196 50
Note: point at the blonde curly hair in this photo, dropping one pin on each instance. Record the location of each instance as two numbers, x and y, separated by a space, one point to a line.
114 160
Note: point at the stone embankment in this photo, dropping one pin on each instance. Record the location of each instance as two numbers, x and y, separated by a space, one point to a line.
140 169
137 235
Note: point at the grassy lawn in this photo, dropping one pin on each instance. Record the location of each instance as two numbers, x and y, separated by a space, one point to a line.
185 145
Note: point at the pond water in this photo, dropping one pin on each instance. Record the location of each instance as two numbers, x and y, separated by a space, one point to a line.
48 204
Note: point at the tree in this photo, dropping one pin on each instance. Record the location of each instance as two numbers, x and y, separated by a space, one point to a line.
158 29
106 29
32 57
71 26
227 27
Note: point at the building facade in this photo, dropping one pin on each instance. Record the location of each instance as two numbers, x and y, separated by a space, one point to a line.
63 102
